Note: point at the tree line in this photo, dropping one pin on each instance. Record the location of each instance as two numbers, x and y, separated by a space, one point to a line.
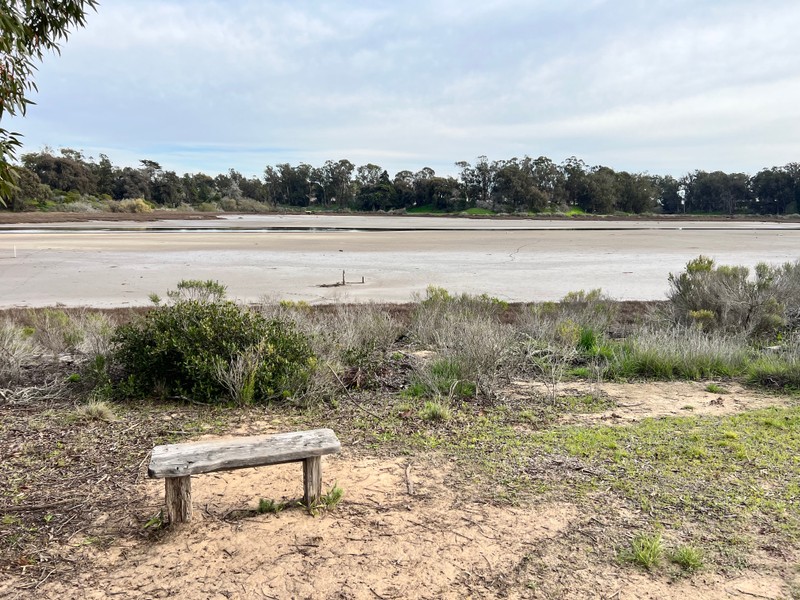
67 180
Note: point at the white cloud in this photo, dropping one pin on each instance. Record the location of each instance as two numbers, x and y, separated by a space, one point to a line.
663 85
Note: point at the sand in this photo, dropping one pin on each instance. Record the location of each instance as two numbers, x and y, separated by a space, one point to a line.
121 263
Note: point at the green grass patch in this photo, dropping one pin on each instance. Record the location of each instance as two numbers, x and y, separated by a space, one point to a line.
426 209
716 388
775 372
477 211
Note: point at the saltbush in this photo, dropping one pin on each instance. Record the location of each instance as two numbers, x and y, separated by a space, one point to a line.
731 300
181 349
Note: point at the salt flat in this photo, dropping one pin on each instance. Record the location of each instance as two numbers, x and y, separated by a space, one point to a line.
289 257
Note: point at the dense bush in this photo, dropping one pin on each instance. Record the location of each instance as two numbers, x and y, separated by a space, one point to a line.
728 299
212 351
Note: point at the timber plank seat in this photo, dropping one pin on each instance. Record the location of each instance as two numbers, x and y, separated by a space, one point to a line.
176 463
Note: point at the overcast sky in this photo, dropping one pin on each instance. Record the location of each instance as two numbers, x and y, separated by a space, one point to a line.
663 86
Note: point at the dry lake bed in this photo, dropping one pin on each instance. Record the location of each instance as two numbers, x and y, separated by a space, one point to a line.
292 257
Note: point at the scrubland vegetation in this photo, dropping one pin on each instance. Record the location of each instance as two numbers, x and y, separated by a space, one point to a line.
439 376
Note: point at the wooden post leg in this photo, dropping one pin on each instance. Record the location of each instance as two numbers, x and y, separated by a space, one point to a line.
312 480
179 499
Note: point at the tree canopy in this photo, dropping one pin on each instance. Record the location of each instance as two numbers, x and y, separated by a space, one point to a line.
67 180
28 29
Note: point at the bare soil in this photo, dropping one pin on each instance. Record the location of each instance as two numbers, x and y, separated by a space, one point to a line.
408 526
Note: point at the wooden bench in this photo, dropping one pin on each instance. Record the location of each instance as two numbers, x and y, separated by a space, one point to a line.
178 462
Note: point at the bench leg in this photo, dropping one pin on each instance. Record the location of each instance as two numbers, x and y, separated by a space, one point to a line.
179 499
312 480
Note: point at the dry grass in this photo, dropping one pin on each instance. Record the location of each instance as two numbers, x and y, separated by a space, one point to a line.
16 349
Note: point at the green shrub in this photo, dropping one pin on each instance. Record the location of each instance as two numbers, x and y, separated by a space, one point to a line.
728 299
180 349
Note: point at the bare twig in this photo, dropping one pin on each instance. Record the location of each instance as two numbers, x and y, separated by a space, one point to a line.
409 482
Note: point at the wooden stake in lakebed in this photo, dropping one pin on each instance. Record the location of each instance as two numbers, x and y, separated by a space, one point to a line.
343 282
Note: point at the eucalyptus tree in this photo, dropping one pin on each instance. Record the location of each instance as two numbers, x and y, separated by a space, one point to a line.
28 30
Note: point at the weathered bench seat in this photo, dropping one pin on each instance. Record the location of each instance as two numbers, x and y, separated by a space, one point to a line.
176 463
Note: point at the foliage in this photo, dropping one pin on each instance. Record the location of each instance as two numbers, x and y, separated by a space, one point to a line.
30 28
728 299
467 333
96 410
516 185
435 411
181 349
332 497
131 205
777 372
195 289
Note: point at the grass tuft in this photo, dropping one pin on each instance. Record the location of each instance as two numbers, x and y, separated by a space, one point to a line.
96 410
435 411
687 558
646 551
269 506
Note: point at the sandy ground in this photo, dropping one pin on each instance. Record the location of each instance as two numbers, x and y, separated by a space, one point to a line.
655 399
121 263
381 542
403 530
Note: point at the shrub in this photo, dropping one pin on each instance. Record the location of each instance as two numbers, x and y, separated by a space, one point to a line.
728 299
466 331
442 377
195 289
55 330
350 341
180 350
131 205
567 321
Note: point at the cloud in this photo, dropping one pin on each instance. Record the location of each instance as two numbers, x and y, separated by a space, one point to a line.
663 85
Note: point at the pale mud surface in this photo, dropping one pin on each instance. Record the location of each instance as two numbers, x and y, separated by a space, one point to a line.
380 542
121 263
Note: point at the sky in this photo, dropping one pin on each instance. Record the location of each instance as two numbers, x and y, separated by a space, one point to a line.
658 86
